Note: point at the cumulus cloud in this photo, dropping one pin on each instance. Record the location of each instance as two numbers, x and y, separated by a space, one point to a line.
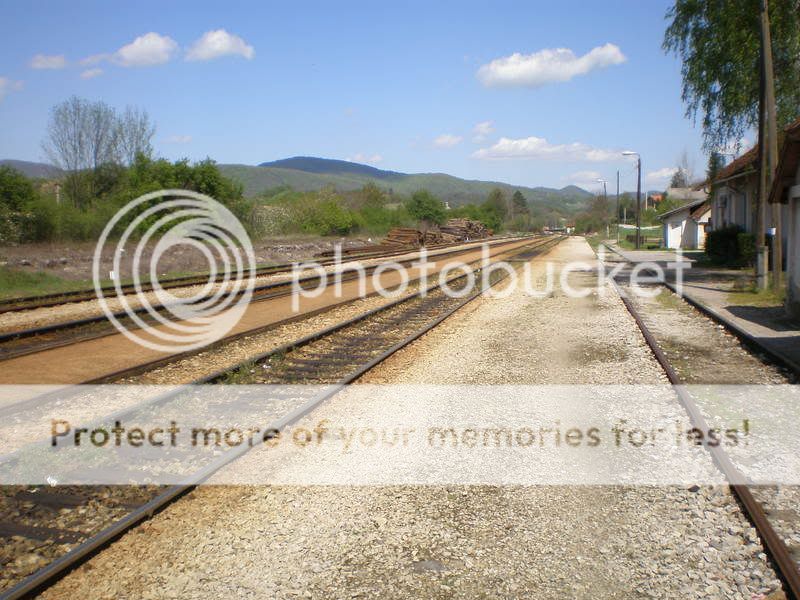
660 175
217 43
91 73
7 86
447 140
178 139
539 148
46 61
482 130
550 65
145 51
365 158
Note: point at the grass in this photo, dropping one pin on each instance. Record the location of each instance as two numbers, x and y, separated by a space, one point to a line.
751 296
16 283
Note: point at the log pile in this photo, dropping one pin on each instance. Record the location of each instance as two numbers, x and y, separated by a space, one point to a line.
465 229
452 232
404 236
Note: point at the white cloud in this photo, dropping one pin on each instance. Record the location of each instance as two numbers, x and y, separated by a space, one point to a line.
482 130
178 139
365 158
547 66
45 61
447 140
661 175
539 148
145 51
91 73
7 86
219 42
94 59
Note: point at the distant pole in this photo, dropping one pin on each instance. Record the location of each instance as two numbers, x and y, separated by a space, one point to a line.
639 203
617 207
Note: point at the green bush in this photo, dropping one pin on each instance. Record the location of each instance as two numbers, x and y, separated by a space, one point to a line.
730 246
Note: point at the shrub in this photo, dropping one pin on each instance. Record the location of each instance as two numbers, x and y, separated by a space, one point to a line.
730 246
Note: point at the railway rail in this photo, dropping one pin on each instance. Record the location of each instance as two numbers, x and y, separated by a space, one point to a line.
104 356
786 565
35 339
337 355
73 296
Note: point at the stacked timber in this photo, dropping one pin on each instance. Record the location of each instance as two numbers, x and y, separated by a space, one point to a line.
404 236
465 229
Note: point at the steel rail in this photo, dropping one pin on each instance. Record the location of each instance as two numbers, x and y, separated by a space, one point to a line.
40 579
72 296
274 285
785 565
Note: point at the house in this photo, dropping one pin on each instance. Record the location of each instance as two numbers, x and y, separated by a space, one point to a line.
786 190
735 193
685 226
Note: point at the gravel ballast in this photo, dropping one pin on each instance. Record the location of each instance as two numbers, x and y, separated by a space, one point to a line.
456 540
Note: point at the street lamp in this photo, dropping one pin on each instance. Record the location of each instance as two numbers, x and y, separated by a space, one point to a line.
605 199
638 196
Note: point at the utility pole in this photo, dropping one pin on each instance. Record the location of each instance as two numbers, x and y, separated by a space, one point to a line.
617 207
638 196
639 203
761 201
768 78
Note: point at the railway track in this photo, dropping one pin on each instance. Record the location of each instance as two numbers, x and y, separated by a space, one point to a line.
35 339
772 523
74 296
95 515
108 355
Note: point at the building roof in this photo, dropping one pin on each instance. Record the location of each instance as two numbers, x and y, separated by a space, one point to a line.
694 204
699 210
787 163
739 165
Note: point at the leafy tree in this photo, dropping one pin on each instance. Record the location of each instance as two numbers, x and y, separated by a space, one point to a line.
519 205
680 179
425 207
719 44
496 203
715 164
16 194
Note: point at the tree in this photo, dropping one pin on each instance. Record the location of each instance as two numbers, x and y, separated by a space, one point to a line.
519 205
135 132
715 164
719 45
425 207
496 203
680 179
83 136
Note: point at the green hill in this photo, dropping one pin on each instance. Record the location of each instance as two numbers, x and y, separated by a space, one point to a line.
310 173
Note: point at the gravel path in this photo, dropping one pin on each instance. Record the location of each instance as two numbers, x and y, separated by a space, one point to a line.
455 541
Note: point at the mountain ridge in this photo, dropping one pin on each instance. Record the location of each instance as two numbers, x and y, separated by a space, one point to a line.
310 173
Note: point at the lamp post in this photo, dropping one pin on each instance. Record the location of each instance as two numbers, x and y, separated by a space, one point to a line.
617 207
605 201
638 196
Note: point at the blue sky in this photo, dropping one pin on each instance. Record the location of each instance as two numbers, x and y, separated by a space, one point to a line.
401 84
